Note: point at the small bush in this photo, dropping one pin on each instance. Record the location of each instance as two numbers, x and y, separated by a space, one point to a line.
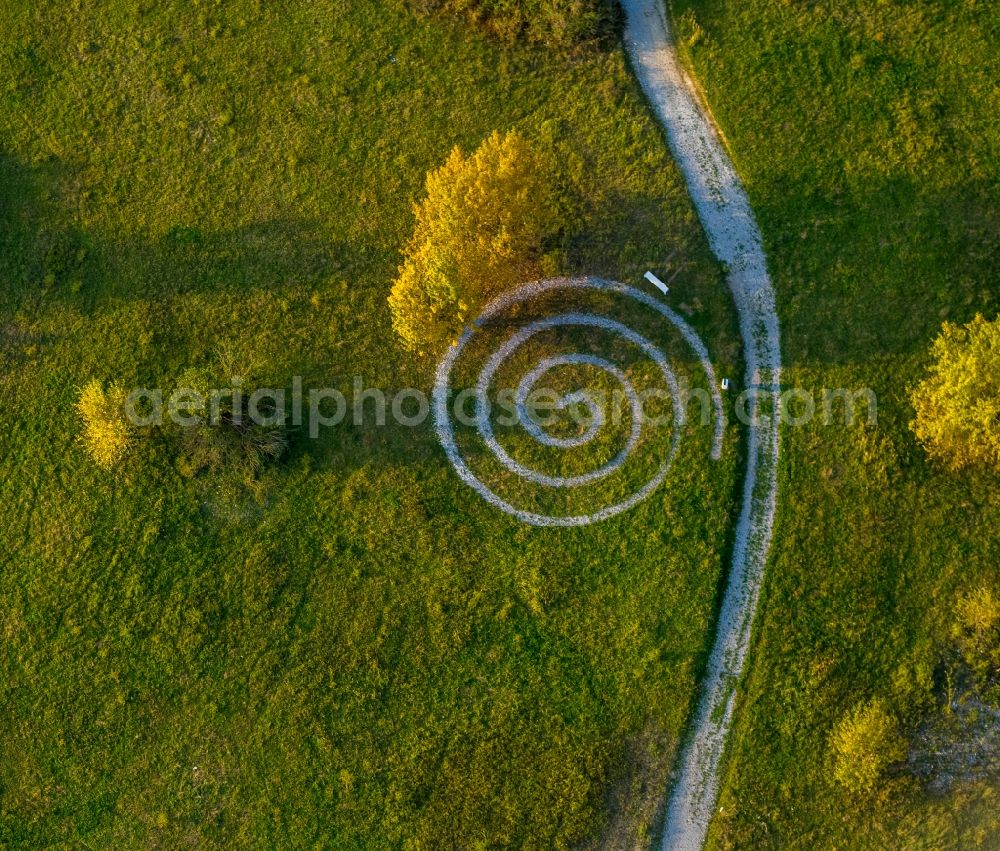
224 437
958 404
558 23
479 231
864 744
107 431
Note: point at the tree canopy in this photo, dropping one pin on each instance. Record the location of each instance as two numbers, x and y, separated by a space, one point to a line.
107 432
958 403
480 230
864 744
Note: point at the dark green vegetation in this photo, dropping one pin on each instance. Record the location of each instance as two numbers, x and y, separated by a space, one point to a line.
869 137
357 651
559 23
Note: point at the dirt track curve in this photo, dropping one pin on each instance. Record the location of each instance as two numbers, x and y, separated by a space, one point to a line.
722 205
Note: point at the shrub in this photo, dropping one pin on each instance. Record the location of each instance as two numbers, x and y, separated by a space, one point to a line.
958 404
107 430
224 437
479 231
557 23
864 744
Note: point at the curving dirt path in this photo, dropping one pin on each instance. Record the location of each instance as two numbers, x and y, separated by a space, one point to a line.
725 213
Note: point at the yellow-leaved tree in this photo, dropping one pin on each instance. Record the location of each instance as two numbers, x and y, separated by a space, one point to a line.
480 230
977 632
958 403
864 744
107 431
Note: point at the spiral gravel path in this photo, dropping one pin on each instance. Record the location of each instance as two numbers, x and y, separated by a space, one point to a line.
444 404
722 205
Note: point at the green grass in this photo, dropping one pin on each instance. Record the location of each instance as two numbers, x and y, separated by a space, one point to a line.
869 138
363 653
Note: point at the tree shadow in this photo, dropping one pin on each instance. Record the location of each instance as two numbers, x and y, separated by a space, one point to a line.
269 255
46 257
42 252
896 261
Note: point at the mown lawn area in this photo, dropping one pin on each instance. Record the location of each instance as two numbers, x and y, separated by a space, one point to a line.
357 651
868 134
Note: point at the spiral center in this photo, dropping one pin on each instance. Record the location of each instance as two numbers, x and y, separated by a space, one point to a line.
595 411
518 339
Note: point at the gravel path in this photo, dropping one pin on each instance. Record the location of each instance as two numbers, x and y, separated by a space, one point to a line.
722 205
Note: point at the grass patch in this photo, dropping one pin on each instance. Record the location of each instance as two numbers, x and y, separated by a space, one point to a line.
358 652
867 135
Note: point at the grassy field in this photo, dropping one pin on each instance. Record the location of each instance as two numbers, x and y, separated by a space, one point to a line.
869 139
359 652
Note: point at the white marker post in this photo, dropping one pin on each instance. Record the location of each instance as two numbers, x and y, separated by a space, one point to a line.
656 282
